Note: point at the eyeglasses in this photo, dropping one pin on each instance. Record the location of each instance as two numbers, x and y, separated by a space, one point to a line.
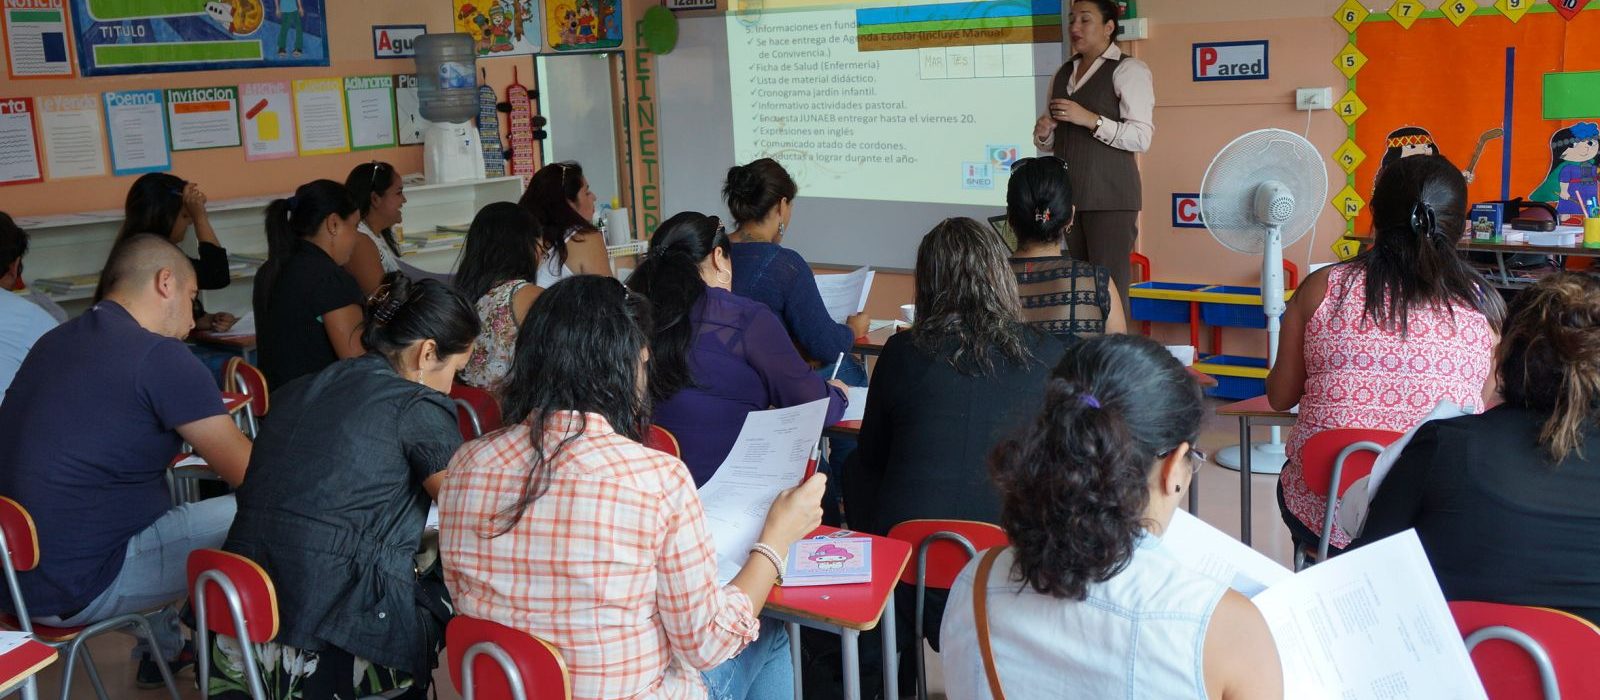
376 166
1197 457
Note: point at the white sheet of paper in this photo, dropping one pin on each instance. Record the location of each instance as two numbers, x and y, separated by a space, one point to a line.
432 522
1369 624
201 118
857 408
12 640
246 325
19 149
1213 553
769 456
74 144
136 125
370 99
267 116
845 294
408 110
193 460
319 116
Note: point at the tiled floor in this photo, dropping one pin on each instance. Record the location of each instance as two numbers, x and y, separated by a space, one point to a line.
1219 505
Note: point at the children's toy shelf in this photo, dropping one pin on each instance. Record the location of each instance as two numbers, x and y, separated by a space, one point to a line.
1217 306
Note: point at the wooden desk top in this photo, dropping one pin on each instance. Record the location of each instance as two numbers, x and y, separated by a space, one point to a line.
22 662
234 402
247 342
1204 379
872 342
854 606
1255 408
843 429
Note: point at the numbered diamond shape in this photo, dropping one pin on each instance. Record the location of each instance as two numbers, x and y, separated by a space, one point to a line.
1348 202
1407 11
1351 14
1346 248
1350 107
1350 60
1457 11
1569 8
1513 9
1349 156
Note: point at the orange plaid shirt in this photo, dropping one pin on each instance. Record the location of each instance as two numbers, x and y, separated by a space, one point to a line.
612 565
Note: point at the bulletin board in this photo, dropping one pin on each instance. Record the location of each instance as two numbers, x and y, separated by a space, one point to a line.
123 37
1457 71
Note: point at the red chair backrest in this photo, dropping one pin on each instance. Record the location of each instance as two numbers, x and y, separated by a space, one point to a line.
1320 451
659 438
1509 673
22 536
543 671
242 377
1140 261
482 403
945 558
257 596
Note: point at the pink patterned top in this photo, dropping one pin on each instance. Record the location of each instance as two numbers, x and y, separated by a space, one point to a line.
490 360
1360 376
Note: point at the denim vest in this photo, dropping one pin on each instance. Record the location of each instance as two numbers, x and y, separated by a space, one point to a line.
1139 635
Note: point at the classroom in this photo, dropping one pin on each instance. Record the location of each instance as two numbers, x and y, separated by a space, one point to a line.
799 349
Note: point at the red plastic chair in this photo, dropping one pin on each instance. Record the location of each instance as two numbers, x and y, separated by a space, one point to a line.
1526 652
1138 261
232 595
1330 462
943 548
242 377
19 551
659 438
490 660
477 411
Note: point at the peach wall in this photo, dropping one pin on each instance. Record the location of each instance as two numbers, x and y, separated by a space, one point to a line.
224 173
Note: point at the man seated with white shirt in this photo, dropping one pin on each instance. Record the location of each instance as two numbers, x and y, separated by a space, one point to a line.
21 321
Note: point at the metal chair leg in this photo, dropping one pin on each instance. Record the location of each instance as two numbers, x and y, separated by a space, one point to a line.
93 673
144 630
67 667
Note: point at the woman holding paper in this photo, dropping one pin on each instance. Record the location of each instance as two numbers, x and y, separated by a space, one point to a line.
1504 501
565 526
1087 602
715 356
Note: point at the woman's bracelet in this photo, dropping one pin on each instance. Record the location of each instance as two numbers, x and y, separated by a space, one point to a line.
771 555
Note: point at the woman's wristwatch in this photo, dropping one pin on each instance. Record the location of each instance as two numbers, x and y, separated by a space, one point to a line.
1098 120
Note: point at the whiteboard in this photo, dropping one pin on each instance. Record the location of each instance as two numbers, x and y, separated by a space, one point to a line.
696 115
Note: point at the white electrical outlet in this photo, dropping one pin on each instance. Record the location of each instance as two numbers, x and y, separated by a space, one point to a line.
1313 98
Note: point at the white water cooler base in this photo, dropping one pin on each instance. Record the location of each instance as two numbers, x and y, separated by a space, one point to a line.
1265 458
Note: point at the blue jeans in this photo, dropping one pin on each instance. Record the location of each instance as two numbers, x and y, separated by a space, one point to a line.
763 671
852 373
154 571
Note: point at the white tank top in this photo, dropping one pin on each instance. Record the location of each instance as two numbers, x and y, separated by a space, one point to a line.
386 257
551 269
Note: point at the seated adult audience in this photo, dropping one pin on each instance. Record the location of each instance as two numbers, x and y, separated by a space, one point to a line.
715 356
91 422
944 392
380 195
308 308
568 528
335 502
1069 299
1087 601
167 205
21 322
1504 501
761 198
558 196
498 265
1378 341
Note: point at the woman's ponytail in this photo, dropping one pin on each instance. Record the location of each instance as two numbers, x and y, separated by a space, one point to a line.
292 218
670 278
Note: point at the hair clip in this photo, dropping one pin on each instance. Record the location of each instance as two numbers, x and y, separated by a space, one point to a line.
385 313
1423 219
1089 400
1042 216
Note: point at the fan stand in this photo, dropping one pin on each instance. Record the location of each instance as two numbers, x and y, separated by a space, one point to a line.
1267 457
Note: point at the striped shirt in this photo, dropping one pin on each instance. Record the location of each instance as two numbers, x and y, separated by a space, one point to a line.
612 564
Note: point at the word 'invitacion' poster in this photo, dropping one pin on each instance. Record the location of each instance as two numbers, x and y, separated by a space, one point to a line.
584 25
122 37
500 27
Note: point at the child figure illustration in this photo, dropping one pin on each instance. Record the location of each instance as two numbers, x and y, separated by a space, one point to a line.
1407 141
830 556
586 22
499 30
289 20
1572 182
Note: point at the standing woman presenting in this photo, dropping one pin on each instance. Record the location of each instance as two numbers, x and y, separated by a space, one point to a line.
1098 117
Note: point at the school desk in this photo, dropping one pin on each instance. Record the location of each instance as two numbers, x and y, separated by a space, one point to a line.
872 342
1250 412
19 665
847 610
245 345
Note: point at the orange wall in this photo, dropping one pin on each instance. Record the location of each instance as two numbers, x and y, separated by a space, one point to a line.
224 173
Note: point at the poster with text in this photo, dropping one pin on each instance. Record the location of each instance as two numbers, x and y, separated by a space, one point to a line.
583 25
500 27
71 132
319 116
407 110
370 102
201 118
267 120
36 38
136 125
19 147
122 37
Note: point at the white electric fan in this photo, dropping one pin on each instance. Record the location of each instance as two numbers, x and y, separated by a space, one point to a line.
1262 192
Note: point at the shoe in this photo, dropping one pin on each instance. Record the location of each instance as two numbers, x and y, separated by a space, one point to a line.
149 674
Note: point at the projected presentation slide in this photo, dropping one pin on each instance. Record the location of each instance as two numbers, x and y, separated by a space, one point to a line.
913 103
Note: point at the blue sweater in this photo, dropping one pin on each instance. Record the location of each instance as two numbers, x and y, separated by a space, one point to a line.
781 279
